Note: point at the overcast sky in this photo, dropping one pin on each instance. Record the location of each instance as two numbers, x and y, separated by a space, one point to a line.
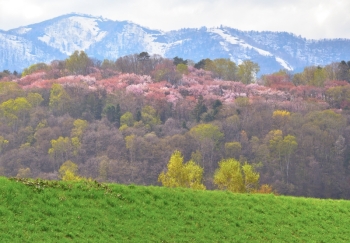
314 19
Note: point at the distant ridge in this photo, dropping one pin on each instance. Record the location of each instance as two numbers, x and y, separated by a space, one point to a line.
102 38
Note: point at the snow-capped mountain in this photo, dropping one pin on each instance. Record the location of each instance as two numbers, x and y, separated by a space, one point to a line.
102 38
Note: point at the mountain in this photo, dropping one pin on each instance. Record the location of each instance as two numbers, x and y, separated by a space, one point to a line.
102 38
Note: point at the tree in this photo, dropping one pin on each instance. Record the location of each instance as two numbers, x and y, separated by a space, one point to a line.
127 119
15 110
200 108
200 64
35 99
208 137
233 149
182 68
35 68
143 56
60 149
179 60
182 175
59 100
110 113
149 116
222 68
233 177
247 71
68 171
78 63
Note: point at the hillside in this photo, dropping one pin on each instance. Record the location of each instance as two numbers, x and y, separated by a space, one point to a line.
121 121
102 38
118 213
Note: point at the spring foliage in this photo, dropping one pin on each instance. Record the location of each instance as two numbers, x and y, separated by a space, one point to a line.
234 177
182 175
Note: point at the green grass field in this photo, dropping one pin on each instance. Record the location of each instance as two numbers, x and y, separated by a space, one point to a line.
80 212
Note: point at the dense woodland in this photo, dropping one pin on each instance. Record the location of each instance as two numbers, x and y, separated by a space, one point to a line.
120 121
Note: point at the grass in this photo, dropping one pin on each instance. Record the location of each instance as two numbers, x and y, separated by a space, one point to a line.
78 212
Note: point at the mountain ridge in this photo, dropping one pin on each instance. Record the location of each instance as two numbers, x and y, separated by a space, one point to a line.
102 38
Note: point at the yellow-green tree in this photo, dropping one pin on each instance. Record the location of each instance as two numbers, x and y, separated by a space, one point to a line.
127 119
247 71
282 148
182 68
15 110
35 68
68 171
225 69
77 133
280 117
208 137
35 99
234 177
60 149
233 149
78 63
182 175
149 116
59 99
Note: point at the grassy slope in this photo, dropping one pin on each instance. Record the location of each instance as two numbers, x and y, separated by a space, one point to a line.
156 214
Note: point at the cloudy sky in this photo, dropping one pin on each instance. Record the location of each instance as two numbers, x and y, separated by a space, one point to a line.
309 18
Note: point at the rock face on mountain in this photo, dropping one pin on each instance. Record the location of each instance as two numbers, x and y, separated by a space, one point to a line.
102 38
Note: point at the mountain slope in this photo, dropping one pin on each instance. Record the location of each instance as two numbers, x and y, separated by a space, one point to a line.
101 38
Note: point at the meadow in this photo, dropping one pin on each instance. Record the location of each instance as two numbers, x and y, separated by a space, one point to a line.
55 211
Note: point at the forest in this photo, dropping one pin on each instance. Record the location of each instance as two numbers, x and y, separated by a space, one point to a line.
121 121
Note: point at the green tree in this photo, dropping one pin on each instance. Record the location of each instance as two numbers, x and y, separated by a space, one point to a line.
225 69
15 110
59 100
78 63
127 119
233 149
149 116
208 137
77 133
182 175
247 71
110 113
35 68
35 99
233 177
182 68
60 149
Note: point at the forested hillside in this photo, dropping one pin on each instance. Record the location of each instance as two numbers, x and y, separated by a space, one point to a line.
120 121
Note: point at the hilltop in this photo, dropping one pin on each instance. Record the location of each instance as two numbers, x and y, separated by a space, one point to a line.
102 38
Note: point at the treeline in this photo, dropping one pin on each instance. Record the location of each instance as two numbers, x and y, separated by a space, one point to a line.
295 141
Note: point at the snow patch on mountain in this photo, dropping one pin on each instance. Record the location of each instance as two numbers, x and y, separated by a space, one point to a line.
73 33
236 41
284 64
22 30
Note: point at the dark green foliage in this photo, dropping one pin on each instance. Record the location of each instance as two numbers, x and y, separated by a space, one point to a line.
143 56
200 64
138 116
344 71
98 109
179 60
118 114
199 109
110 113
